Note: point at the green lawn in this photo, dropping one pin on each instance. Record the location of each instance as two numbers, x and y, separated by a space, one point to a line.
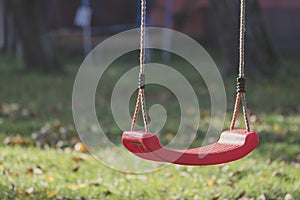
42 169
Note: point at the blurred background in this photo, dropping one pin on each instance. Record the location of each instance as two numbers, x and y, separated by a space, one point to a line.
48 29
42 45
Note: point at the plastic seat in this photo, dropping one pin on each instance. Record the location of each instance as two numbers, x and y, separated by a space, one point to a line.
232 145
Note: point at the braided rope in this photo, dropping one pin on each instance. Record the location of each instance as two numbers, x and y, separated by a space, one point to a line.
144 110
236 110
136 111
141 102
245 112
242 38
241 78
142 36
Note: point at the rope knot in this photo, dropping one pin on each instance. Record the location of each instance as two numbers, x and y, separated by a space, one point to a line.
241 85
141 84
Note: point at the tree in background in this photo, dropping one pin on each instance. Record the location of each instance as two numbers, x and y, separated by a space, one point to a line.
260 53
29 17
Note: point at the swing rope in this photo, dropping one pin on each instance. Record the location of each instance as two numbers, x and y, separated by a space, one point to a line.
141 102
241 80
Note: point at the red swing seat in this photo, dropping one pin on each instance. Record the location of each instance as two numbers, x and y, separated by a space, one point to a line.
232 145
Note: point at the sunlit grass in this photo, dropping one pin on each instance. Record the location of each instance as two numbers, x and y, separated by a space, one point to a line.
60 173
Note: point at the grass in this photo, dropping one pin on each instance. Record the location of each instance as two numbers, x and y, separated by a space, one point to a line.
250 177
30 101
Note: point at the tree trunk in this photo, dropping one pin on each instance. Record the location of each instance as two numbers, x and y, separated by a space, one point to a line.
260 53
29 17
2 25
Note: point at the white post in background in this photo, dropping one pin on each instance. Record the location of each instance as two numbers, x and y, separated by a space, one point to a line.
83 19
168 24
87 39
2 25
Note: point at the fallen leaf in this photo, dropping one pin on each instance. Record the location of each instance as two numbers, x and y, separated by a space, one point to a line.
60 144
211 182
7 141
236 173
253 118
225 168
52 194
288 196
75 169
80 147
19 140
30 190
50 179
11 174
278 174
45 129
37 170
21 192
29 171
77 187
77 159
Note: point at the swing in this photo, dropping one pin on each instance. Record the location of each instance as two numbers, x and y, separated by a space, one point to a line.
232 145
